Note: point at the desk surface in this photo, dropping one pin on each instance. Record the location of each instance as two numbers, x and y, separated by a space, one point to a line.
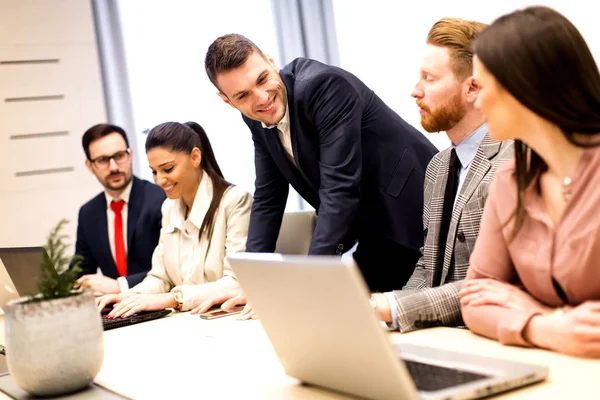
225 358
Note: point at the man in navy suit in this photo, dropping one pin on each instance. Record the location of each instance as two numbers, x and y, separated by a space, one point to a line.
322 130
118 229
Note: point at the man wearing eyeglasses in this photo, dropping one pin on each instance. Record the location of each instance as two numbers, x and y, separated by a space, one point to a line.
119 228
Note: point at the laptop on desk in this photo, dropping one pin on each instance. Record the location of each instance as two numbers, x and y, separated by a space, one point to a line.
316 313
19 271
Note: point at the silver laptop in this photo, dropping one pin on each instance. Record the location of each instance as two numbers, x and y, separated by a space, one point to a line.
19 270
316 313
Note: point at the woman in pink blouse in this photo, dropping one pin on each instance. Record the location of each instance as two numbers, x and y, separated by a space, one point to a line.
534 277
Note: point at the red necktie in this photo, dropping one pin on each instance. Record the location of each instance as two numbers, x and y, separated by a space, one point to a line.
120 256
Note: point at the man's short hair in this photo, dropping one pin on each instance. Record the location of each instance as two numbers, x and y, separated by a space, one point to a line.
226 53
99 131
458 35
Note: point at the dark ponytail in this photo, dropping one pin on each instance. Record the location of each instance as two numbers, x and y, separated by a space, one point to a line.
183 138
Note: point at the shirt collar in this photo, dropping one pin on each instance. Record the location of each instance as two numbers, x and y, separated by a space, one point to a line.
284 121
468 147
199 208
123 196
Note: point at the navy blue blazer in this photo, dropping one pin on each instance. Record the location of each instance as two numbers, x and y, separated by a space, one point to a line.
143 230
359 164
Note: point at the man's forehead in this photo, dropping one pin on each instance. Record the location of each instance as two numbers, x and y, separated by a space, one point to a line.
107 145
244 76
436 57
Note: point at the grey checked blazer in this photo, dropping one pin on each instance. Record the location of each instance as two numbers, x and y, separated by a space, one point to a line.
419 305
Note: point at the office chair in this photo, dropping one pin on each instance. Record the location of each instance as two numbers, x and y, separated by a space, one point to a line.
296 232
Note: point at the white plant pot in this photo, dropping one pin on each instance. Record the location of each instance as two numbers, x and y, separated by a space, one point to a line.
56 346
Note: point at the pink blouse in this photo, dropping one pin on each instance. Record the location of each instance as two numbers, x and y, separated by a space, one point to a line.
568 251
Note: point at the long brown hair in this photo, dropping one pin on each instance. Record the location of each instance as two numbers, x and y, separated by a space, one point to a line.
542 60
184 138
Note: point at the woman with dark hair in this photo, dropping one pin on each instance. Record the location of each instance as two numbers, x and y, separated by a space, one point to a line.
533 277
204 216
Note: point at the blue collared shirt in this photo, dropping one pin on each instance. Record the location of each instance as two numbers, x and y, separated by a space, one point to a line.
465 152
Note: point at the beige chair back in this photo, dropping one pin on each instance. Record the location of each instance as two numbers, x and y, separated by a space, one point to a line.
296 232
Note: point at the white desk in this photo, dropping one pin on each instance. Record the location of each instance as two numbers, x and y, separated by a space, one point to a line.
181 356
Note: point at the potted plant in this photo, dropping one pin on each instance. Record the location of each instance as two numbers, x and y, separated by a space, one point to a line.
54 339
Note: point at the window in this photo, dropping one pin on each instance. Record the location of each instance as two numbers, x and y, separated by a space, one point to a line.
165 44
381 41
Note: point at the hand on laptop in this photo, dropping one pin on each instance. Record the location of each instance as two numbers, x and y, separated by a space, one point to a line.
98 283
228 301
107 299
133 303
482 292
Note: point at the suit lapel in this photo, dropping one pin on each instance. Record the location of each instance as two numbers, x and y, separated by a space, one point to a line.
102 226
288 80
437 209
277 152
478 169
133 211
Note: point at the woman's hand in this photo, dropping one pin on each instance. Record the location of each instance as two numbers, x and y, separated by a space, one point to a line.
213 301
135 303
228 300
107 299
486 292
240 299
576 332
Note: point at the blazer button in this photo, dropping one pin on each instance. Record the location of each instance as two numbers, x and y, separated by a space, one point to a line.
340 247
460 237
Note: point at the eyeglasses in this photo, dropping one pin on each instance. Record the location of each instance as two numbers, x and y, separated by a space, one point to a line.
120 157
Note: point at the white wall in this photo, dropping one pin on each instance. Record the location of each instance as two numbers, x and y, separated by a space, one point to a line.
381 41
62 31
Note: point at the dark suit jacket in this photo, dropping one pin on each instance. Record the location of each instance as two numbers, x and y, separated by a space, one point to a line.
143 229
360 165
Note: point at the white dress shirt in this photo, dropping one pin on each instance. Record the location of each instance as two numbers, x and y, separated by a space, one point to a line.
189 228
110 218
283 130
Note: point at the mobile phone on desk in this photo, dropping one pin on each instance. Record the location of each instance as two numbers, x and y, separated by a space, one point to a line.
218 313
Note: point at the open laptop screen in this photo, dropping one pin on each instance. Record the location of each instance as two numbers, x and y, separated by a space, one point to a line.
23 267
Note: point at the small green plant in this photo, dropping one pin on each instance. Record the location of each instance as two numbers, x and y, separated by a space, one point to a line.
59 271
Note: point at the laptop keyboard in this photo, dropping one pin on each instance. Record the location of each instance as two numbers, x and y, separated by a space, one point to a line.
430 378
112 323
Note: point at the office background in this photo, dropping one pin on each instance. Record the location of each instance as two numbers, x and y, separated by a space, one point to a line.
68 64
